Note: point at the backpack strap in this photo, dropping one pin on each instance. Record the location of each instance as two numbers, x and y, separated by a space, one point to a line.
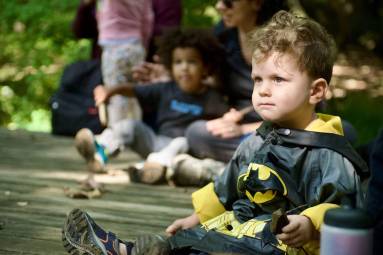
330 141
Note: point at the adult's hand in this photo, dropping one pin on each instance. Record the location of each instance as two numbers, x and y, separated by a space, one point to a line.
233 115
224 128
183 223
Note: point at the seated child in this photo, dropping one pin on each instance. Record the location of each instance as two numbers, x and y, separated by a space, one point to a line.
191 56
298 162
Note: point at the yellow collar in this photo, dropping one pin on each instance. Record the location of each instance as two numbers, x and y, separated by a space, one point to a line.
326 124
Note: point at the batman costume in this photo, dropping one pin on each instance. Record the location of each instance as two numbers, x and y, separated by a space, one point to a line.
302 172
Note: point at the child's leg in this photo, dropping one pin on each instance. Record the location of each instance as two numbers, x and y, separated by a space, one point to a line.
131 133
128 133
214 242
166 155
117 63
156 166
93 153
190 171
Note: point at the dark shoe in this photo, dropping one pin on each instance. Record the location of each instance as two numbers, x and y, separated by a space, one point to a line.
149 173
81 235
90 150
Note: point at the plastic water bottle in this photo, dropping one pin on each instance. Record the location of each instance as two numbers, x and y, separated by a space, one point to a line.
346 231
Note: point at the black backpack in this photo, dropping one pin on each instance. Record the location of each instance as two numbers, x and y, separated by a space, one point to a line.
72 105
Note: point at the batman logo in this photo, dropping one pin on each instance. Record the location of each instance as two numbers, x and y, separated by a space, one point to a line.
261 184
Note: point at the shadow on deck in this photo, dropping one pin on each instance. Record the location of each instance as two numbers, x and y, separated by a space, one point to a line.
35 168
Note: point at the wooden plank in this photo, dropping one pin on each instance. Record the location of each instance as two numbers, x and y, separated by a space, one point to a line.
35 168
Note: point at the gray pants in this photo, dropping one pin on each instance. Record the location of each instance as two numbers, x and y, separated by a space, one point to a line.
134 134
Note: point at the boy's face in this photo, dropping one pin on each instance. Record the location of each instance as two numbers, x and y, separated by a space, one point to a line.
282 93
188 69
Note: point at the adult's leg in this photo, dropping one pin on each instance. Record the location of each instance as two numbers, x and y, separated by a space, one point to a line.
203 144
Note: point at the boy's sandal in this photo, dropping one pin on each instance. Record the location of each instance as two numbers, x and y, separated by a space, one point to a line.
81 235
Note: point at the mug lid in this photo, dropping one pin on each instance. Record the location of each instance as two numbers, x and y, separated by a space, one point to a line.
348 218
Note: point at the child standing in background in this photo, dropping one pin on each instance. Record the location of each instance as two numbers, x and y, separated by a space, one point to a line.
125 28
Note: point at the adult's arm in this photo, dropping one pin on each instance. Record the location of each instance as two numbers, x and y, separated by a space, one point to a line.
230 128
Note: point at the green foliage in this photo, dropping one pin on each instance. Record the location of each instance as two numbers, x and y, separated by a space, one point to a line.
197 13
352 22
36 43
362 111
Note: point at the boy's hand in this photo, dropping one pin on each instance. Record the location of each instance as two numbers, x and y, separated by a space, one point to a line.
183 223
100 94
298 232
150 73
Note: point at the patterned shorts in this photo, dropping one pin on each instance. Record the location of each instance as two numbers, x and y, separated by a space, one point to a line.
117 63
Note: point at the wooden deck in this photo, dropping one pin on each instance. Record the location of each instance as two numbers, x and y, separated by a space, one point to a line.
35 168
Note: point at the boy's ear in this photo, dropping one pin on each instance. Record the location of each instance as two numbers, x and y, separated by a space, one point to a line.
318 90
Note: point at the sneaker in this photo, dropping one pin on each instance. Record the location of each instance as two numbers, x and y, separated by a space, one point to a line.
190 171
93 153
81 235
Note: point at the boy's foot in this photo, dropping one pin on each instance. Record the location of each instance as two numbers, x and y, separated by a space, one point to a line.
149 173
93 153
81 235
190 171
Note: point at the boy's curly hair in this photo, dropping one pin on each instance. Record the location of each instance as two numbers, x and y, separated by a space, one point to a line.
202 40
304 38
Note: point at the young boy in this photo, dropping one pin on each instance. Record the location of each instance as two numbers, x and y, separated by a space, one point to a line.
297 162
191 56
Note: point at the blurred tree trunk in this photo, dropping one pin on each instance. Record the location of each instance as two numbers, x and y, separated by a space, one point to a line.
351 22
